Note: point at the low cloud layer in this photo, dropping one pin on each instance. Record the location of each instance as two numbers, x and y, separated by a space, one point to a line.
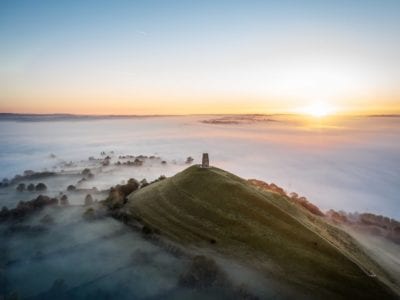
350 164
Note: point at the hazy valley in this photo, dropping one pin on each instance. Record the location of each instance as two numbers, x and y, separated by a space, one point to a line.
206 236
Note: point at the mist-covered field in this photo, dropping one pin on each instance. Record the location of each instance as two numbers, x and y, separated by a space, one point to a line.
350 163
56 253
71 258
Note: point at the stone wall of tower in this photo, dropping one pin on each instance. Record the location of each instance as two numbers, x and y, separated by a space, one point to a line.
205 161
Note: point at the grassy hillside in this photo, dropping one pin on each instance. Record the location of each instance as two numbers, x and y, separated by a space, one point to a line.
215 209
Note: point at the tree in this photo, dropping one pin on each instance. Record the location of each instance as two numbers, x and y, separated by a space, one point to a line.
88 200
40 187
21 187
85 171
143 183
64 200
71 188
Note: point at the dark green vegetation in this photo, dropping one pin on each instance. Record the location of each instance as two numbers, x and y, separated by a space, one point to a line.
211 208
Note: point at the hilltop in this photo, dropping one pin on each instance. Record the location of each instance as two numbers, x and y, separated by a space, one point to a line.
209 208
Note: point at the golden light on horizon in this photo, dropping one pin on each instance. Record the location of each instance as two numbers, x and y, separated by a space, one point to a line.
318 109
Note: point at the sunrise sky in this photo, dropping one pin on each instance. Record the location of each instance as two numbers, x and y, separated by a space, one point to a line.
178 57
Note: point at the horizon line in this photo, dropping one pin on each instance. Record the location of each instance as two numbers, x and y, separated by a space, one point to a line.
188 114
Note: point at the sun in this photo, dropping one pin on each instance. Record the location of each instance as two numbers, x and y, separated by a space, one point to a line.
318 109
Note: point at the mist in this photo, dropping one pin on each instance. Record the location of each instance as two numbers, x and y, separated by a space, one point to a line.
58 254
384 252
349 163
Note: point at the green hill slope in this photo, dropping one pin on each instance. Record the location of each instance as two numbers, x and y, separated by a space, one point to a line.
215 209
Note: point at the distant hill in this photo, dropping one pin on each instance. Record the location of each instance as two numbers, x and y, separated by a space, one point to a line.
65 117
213 209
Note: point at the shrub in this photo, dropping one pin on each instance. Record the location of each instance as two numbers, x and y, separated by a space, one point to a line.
85 171
143 183
88 200
64 200
40 187
71 188
117 196
21 187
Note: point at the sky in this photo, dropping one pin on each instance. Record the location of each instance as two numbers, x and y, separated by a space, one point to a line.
189 57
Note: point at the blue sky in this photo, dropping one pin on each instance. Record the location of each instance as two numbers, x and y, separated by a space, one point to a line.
270 55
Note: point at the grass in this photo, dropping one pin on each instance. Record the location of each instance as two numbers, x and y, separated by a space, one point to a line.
213 208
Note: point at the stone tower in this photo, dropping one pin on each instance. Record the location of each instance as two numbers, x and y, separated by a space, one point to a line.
205 161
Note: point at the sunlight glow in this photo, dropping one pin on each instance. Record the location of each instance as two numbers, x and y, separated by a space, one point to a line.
318 109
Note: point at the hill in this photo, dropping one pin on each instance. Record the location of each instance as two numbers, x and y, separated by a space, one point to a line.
211 208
